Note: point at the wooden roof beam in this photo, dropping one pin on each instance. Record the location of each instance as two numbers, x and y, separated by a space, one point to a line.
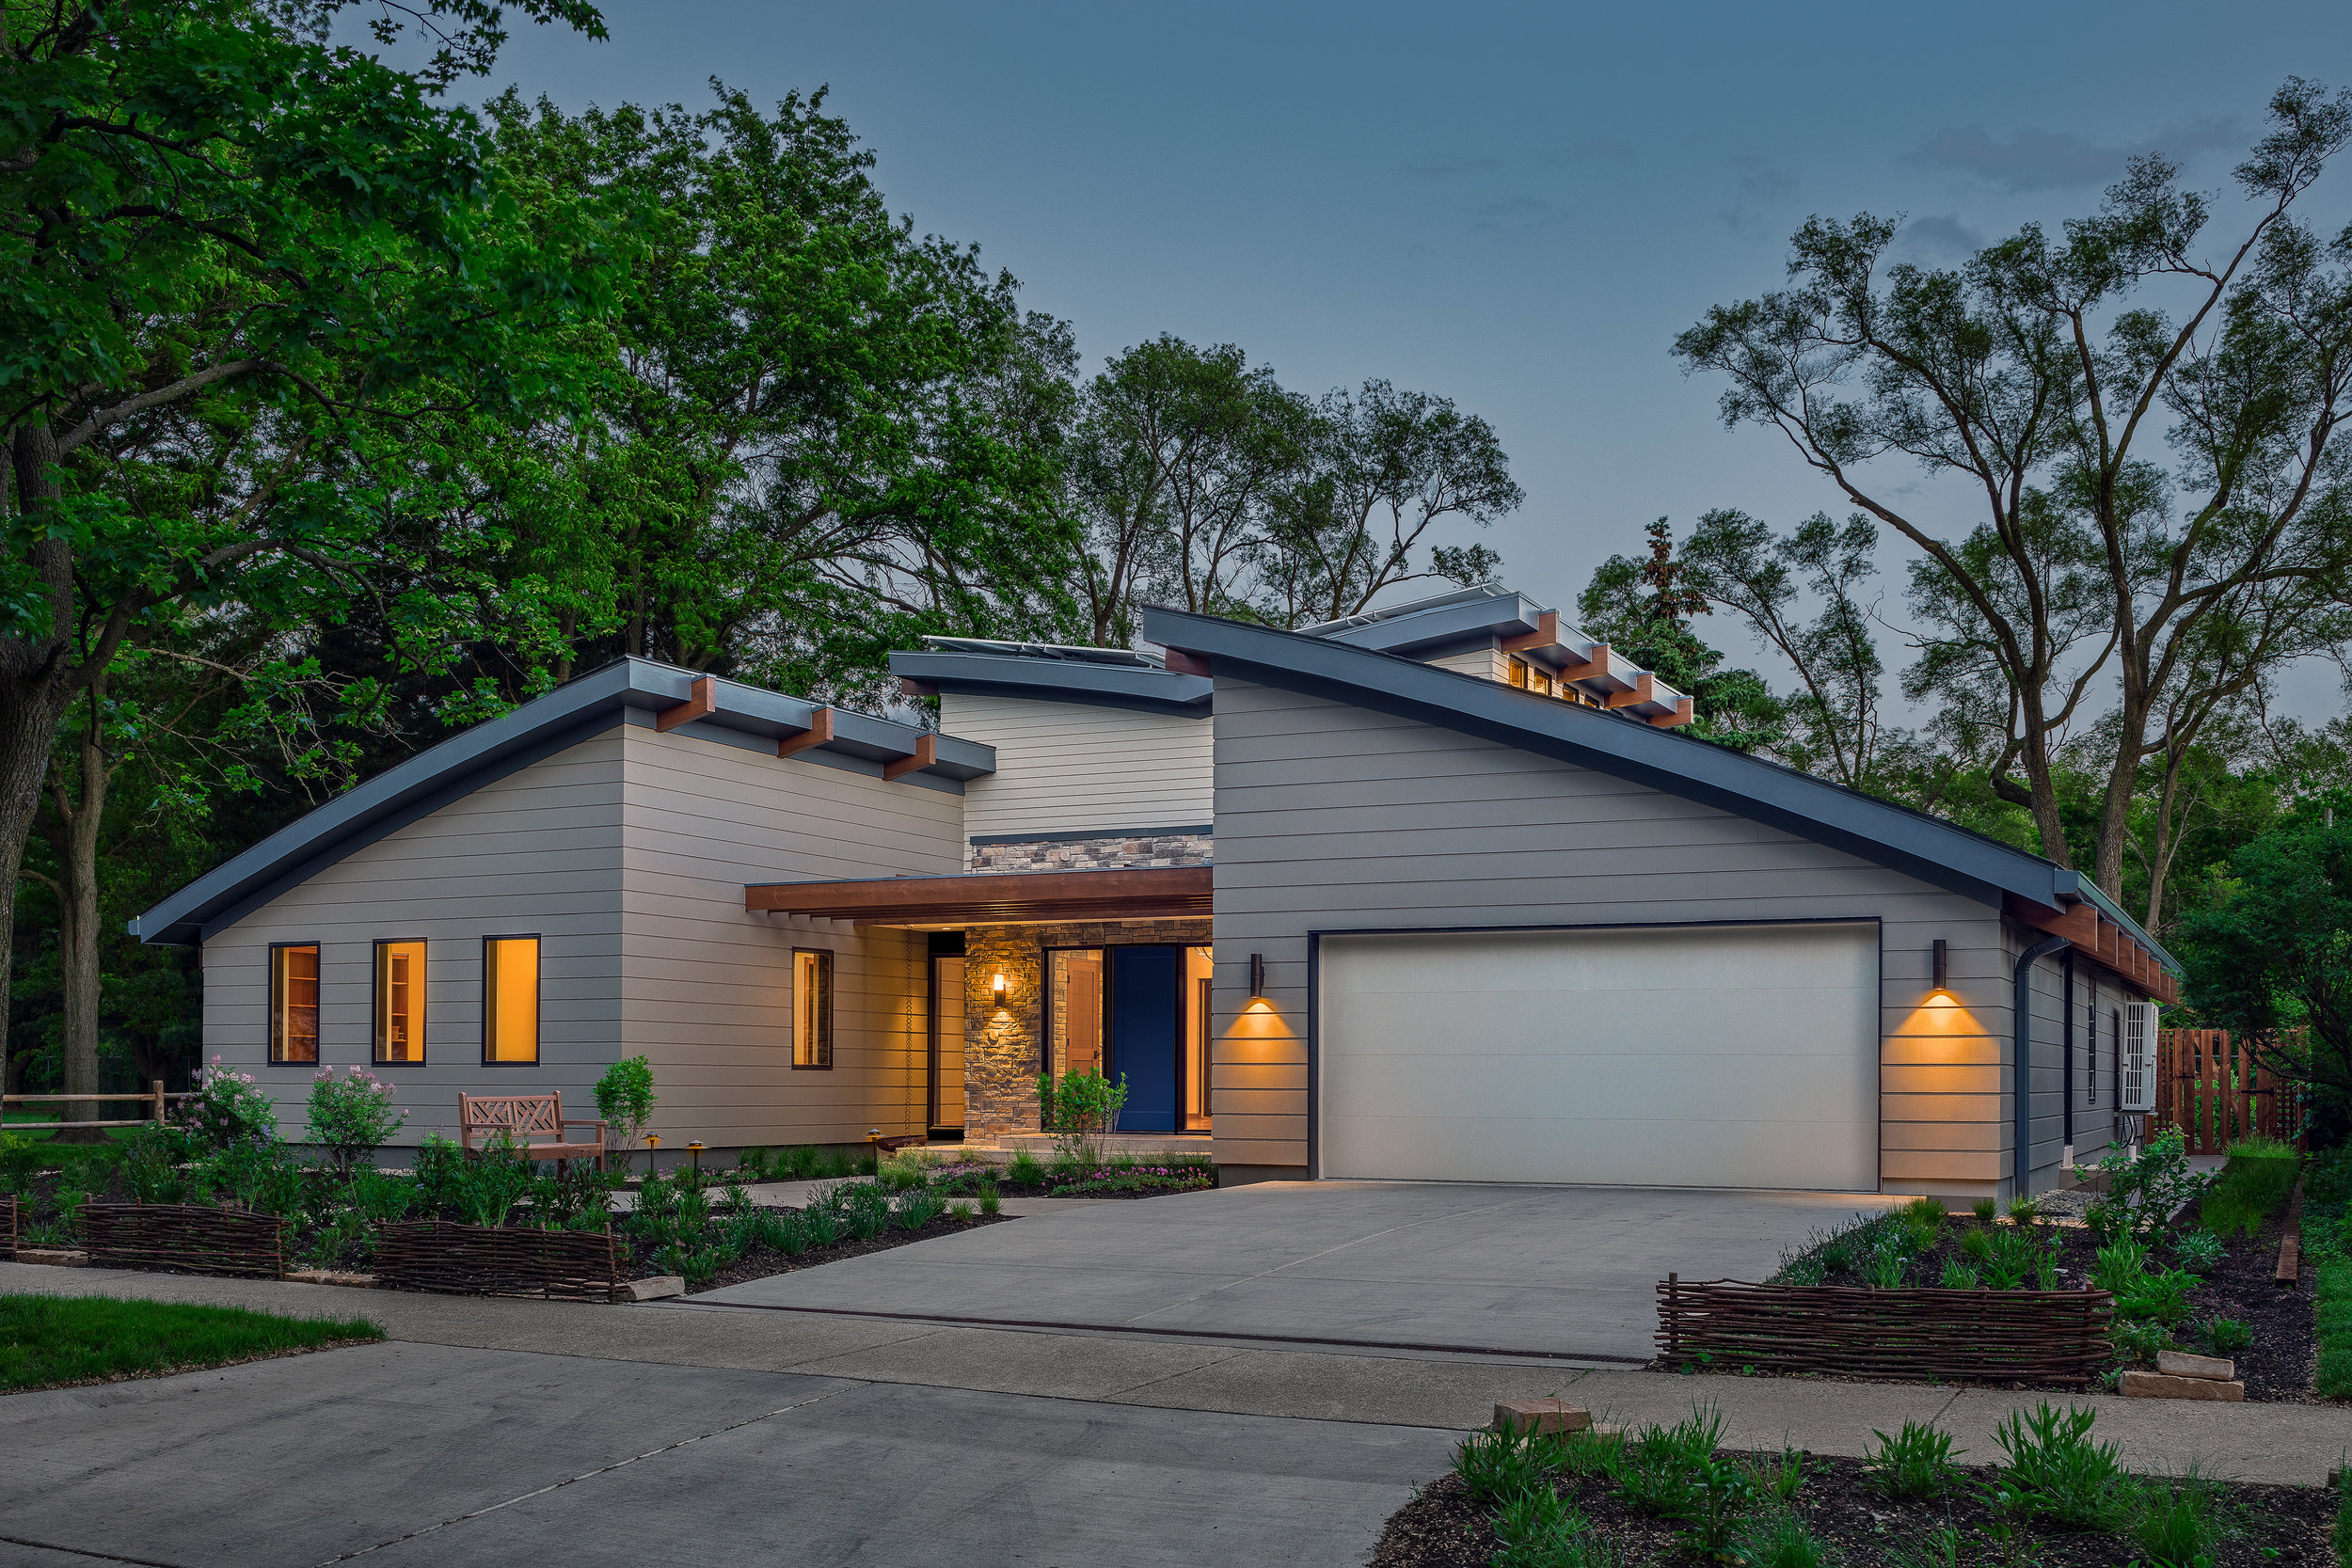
1546 632
1645 690
1684 711
701 701
1591 668
819 732
926 753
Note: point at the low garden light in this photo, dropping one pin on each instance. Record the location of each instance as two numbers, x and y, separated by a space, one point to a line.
1001 991
694 1152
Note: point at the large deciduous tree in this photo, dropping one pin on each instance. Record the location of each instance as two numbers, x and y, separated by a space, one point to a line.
204 203
2043 381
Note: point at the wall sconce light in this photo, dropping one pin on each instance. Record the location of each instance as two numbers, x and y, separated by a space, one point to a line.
1001 991
1942 965
1257 974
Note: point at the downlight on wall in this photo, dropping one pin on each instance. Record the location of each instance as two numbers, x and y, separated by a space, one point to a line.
1943 969
1257 976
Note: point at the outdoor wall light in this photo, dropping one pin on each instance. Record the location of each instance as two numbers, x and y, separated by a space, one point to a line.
1001 991
1943 965
1257 974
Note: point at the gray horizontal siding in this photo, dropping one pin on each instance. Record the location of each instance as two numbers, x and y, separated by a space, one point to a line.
1070 768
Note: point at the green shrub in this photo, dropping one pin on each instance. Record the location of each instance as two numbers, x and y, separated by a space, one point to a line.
2010 1259
1078 1110
1657 1470
20 1162
1959 1276
2025 1210
2161 1296
2136 1343
2149 1191
624 1098
1779 1539
1916 1461
2056 1471
2250 1186
917 1209
228 1108
2178 1526
1496 1466
2201 1251
2335 1330
351 1116
2119 1266
1985 1208
2227 1335
992 1201
1026 1170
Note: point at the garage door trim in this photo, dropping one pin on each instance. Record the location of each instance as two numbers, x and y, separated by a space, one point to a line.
1314 995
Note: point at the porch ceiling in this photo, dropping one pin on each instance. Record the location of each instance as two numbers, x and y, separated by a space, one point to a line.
995 898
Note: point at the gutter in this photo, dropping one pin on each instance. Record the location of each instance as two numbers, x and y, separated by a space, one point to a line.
2020 1015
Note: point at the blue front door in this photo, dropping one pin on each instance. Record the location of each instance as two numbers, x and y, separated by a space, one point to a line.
1145 1013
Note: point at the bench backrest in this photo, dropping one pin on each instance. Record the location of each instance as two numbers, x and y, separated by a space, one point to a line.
523 1115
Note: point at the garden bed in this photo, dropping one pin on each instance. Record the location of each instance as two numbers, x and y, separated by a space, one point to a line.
761 1262
1445 1526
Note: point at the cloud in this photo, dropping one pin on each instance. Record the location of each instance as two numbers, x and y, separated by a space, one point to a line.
1937 240
1448 165
2032 159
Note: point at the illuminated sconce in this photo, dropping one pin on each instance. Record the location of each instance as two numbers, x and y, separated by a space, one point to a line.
1257 974
1942 966
1001 991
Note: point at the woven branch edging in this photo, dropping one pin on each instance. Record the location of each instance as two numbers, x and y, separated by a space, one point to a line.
497 1260
8 1223
1960 1336
194 1237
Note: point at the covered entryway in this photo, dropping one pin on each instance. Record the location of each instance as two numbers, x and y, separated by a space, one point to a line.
1657 1056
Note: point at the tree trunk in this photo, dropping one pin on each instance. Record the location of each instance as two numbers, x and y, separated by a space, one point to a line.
75 838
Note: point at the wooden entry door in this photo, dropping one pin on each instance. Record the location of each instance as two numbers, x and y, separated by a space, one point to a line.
945 1088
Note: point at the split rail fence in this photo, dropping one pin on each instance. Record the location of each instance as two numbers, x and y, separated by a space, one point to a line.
1941 1336
2216 1092
153 1097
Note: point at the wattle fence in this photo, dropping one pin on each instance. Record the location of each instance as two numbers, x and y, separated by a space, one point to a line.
1941 1336
498 1261
2216 1092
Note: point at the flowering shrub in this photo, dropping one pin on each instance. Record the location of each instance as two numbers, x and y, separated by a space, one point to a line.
351 1115
1140 1178
229 1108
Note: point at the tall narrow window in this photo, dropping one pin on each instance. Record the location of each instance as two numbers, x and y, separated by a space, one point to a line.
510 999
294 1001
2090 1049
399 1001
812 1008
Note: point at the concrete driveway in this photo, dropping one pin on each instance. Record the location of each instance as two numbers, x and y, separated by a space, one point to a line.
1547 1270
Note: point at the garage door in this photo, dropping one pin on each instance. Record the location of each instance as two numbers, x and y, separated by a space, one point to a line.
1717 1056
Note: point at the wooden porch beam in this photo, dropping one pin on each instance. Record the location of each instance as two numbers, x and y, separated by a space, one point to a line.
1684 711
1178 662
820 731
1546 632
1645 685
926 753
1591 668
701 701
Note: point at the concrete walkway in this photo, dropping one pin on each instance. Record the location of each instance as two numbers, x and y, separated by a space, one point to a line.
1441 1393
1540 1271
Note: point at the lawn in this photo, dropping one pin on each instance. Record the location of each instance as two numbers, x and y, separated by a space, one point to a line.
49 1340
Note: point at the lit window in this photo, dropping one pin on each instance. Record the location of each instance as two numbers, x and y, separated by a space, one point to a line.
510 999
294 1003
399 1001
812 1008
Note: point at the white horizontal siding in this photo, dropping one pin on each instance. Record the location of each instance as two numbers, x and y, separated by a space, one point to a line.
1066 767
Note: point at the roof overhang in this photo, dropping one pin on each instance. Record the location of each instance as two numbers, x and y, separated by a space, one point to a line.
995 898
660 695
931 670
1938 852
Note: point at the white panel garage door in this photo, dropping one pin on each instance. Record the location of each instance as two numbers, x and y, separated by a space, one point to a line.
1714 1057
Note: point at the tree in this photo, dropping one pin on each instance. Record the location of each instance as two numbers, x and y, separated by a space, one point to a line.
2038 377
1735 561
1643 608
1387 468
2274 952
203 204
823 434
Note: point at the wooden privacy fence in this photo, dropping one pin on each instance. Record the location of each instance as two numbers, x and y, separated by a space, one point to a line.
497 1260
191 1236
2216 1092
1941 1335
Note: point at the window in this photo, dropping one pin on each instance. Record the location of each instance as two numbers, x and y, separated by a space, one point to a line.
2090 1049
812 1008
510 999
399 1001
294 1001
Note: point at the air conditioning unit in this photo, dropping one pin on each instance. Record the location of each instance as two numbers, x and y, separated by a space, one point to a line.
2140 1057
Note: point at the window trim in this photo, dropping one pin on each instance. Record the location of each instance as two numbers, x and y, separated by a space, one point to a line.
274 1025
793 1030
538 996
375 1002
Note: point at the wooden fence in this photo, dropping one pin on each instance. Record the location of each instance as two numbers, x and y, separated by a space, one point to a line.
157 1102
2216 1092
8 1223
497 1260
194 1237
1939 1336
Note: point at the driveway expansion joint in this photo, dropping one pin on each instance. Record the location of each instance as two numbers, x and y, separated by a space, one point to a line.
85 1551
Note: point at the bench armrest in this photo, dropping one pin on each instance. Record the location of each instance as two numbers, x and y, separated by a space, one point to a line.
586 1121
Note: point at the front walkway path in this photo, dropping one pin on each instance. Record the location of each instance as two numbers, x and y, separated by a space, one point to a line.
2260 1442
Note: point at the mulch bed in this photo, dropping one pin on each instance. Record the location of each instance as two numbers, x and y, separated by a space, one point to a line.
1444 1528
761 1262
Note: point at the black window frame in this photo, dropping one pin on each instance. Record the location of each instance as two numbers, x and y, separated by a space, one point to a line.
825 967
538 996
273 1050
375 1002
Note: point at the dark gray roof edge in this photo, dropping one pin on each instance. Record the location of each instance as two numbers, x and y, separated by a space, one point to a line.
2092 894
1057 680
454 768
1936 851
1501 615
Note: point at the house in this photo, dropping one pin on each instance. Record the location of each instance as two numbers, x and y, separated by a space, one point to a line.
1436 891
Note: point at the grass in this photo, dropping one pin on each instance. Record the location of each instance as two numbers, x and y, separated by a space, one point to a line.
49 1340
2257 1178
2335 1330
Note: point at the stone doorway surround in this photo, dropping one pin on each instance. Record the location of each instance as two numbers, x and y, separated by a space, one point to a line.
1001 1043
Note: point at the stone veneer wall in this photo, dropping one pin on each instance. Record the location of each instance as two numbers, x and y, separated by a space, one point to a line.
1000 1044
1094 854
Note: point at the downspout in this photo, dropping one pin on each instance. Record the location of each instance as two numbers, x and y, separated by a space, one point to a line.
2066 1095
2021 1013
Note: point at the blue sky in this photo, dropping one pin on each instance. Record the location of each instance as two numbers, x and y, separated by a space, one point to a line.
1517 207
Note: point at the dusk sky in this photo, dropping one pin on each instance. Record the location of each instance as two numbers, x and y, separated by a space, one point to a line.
1515 207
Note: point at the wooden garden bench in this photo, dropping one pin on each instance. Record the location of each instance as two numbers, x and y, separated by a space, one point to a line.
536 1121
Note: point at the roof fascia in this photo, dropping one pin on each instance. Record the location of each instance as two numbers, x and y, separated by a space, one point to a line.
1918 846
1505 615
1058 680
